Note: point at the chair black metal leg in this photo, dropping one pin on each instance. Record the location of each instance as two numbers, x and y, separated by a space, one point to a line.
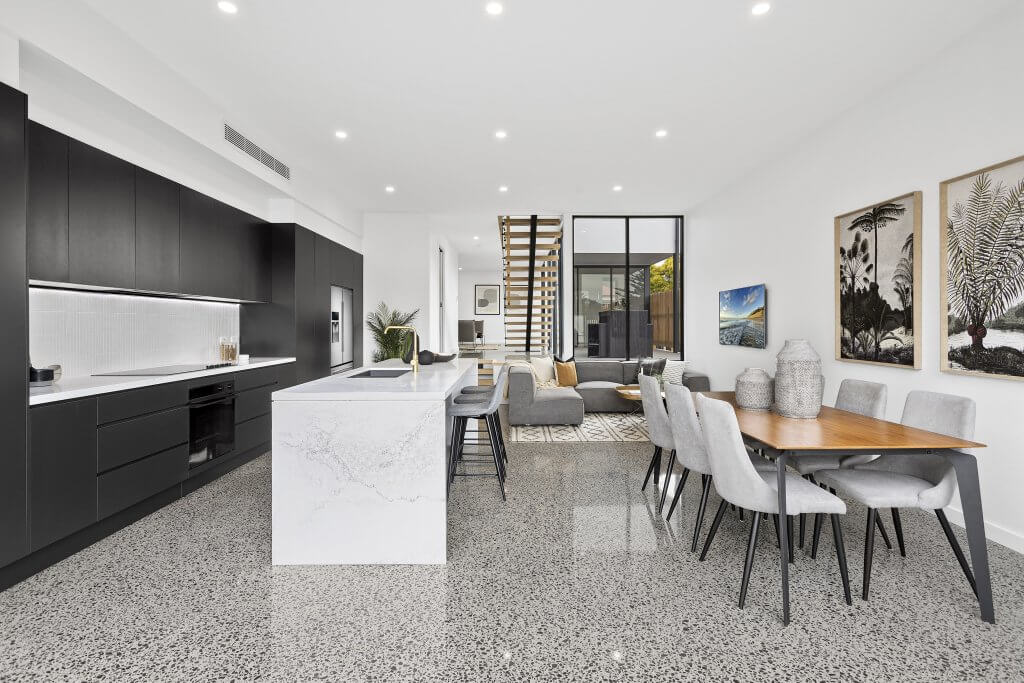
497 457
803 522
714 529
668 478
700 512
955 545
898 525
789 535
881 530
816 536
869 551
775 521
755 525
741 514
501 436
655 461
679 492
457 435
837 537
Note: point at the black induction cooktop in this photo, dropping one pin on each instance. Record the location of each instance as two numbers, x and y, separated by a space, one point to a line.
164 370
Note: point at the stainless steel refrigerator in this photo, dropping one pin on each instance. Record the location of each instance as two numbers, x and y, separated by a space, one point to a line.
341 328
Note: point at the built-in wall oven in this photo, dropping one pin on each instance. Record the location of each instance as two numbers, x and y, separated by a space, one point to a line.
211 421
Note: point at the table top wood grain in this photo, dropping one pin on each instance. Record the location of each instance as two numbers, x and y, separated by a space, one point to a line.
834 429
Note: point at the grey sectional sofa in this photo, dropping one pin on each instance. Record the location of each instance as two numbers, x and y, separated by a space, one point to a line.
598 379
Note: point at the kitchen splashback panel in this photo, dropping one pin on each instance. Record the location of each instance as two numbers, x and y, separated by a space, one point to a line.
87 333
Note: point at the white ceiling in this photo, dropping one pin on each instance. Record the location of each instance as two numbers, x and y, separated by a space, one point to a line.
580 86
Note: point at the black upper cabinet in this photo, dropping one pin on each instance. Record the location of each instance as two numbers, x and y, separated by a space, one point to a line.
14 331
62 470
156 233
322 298
209 255
101 218
307 368
47 204
256 263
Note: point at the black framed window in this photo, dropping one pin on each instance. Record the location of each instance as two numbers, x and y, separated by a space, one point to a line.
627 286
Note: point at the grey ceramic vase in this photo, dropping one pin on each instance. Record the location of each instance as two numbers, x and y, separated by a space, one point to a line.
799 385
755 390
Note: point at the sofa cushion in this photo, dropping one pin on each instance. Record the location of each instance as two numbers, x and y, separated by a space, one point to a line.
630 371
674 371
565 373
601 397
599 371
543 368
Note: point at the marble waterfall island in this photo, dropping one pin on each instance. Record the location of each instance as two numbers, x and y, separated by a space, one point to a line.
359 465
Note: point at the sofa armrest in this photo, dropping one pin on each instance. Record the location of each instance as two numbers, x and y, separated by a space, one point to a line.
695 382
522 388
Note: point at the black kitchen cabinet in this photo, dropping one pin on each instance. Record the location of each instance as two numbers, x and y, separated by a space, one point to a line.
322 296
157 233
308 366
253 240
14 539
101 218
209 255
62 470
47 204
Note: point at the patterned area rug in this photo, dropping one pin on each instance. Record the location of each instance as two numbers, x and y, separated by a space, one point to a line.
595 427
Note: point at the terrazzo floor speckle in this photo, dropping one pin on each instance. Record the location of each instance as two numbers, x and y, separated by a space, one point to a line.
576 578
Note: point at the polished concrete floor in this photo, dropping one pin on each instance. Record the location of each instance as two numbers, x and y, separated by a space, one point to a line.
577 577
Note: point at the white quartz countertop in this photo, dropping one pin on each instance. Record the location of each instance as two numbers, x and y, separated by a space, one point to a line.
432 382
80 387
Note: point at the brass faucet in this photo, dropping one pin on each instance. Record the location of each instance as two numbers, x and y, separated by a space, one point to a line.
415 343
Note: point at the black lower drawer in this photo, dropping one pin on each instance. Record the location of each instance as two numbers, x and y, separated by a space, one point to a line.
252 433
125 486
253 403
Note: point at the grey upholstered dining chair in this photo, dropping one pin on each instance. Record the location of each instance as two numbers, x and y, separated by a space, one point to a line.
690 452
658 427
737 482
910 481
855 396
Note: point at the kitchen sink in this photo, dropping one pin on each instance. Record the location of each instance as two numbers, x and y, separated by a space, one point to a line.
379 374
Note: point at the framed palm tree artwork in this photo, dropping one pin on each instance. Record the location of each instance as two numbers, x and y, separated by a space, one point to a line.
982 271
878 283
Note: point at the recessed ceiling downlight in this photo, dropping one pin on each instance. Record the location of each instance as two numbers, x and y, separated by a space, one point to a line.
341 135
661 133
227 7
500 134
760 8
503 188
616 188
494 8
390 189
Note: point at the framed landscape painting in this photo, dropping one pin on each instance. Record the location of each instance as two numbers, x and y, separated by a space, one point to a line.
878 283
982 271
741 317
487 300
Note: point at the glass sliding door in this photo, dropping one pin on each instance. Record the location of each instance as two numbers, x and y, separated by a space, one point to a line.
627 286
600 297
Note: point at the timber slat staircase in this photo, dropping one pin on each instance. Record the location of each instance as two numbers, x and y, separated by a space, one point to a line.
531 247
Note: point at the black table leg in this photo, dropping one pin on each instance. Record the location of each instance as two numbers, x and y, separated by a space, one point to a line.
780 464
966 467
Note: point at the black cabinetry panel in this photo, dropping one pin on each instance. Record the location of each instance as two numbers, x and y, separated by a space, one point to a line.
157 233
101 218
14 538
306 308
125 486
62 470
47 204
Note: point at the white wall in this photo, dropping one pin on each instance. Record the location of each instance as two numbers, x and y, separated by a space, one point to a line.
10 63
960 112
494 325
401 269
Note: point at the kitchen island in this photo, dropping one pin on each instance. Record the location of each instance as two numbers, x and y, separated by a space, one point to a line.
359 465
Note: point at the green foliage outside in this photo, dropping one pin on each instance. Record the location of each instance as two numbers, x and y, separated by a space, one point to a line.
662 275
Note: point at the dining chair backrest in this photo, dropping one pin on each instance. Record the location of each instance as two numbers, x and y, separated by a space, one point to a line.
863 398
686 432
934 412
733 474
658 426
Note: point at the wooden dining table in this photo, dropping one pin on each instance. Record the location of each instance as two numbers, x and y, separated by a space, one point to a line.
841 433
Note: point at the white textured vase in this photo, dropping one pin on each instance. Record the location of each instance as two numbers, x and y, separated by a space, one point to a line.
755 390
799 385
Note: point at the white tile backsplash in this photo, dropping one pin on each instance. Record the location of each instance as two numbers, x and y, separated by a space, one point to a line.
86 333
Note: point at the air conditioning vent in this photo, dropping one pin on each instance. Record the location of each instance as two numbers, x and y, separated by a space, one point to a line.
256 152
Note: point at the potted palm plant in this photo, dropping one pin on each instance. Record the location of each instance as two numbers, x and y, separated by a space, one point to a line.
395 343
